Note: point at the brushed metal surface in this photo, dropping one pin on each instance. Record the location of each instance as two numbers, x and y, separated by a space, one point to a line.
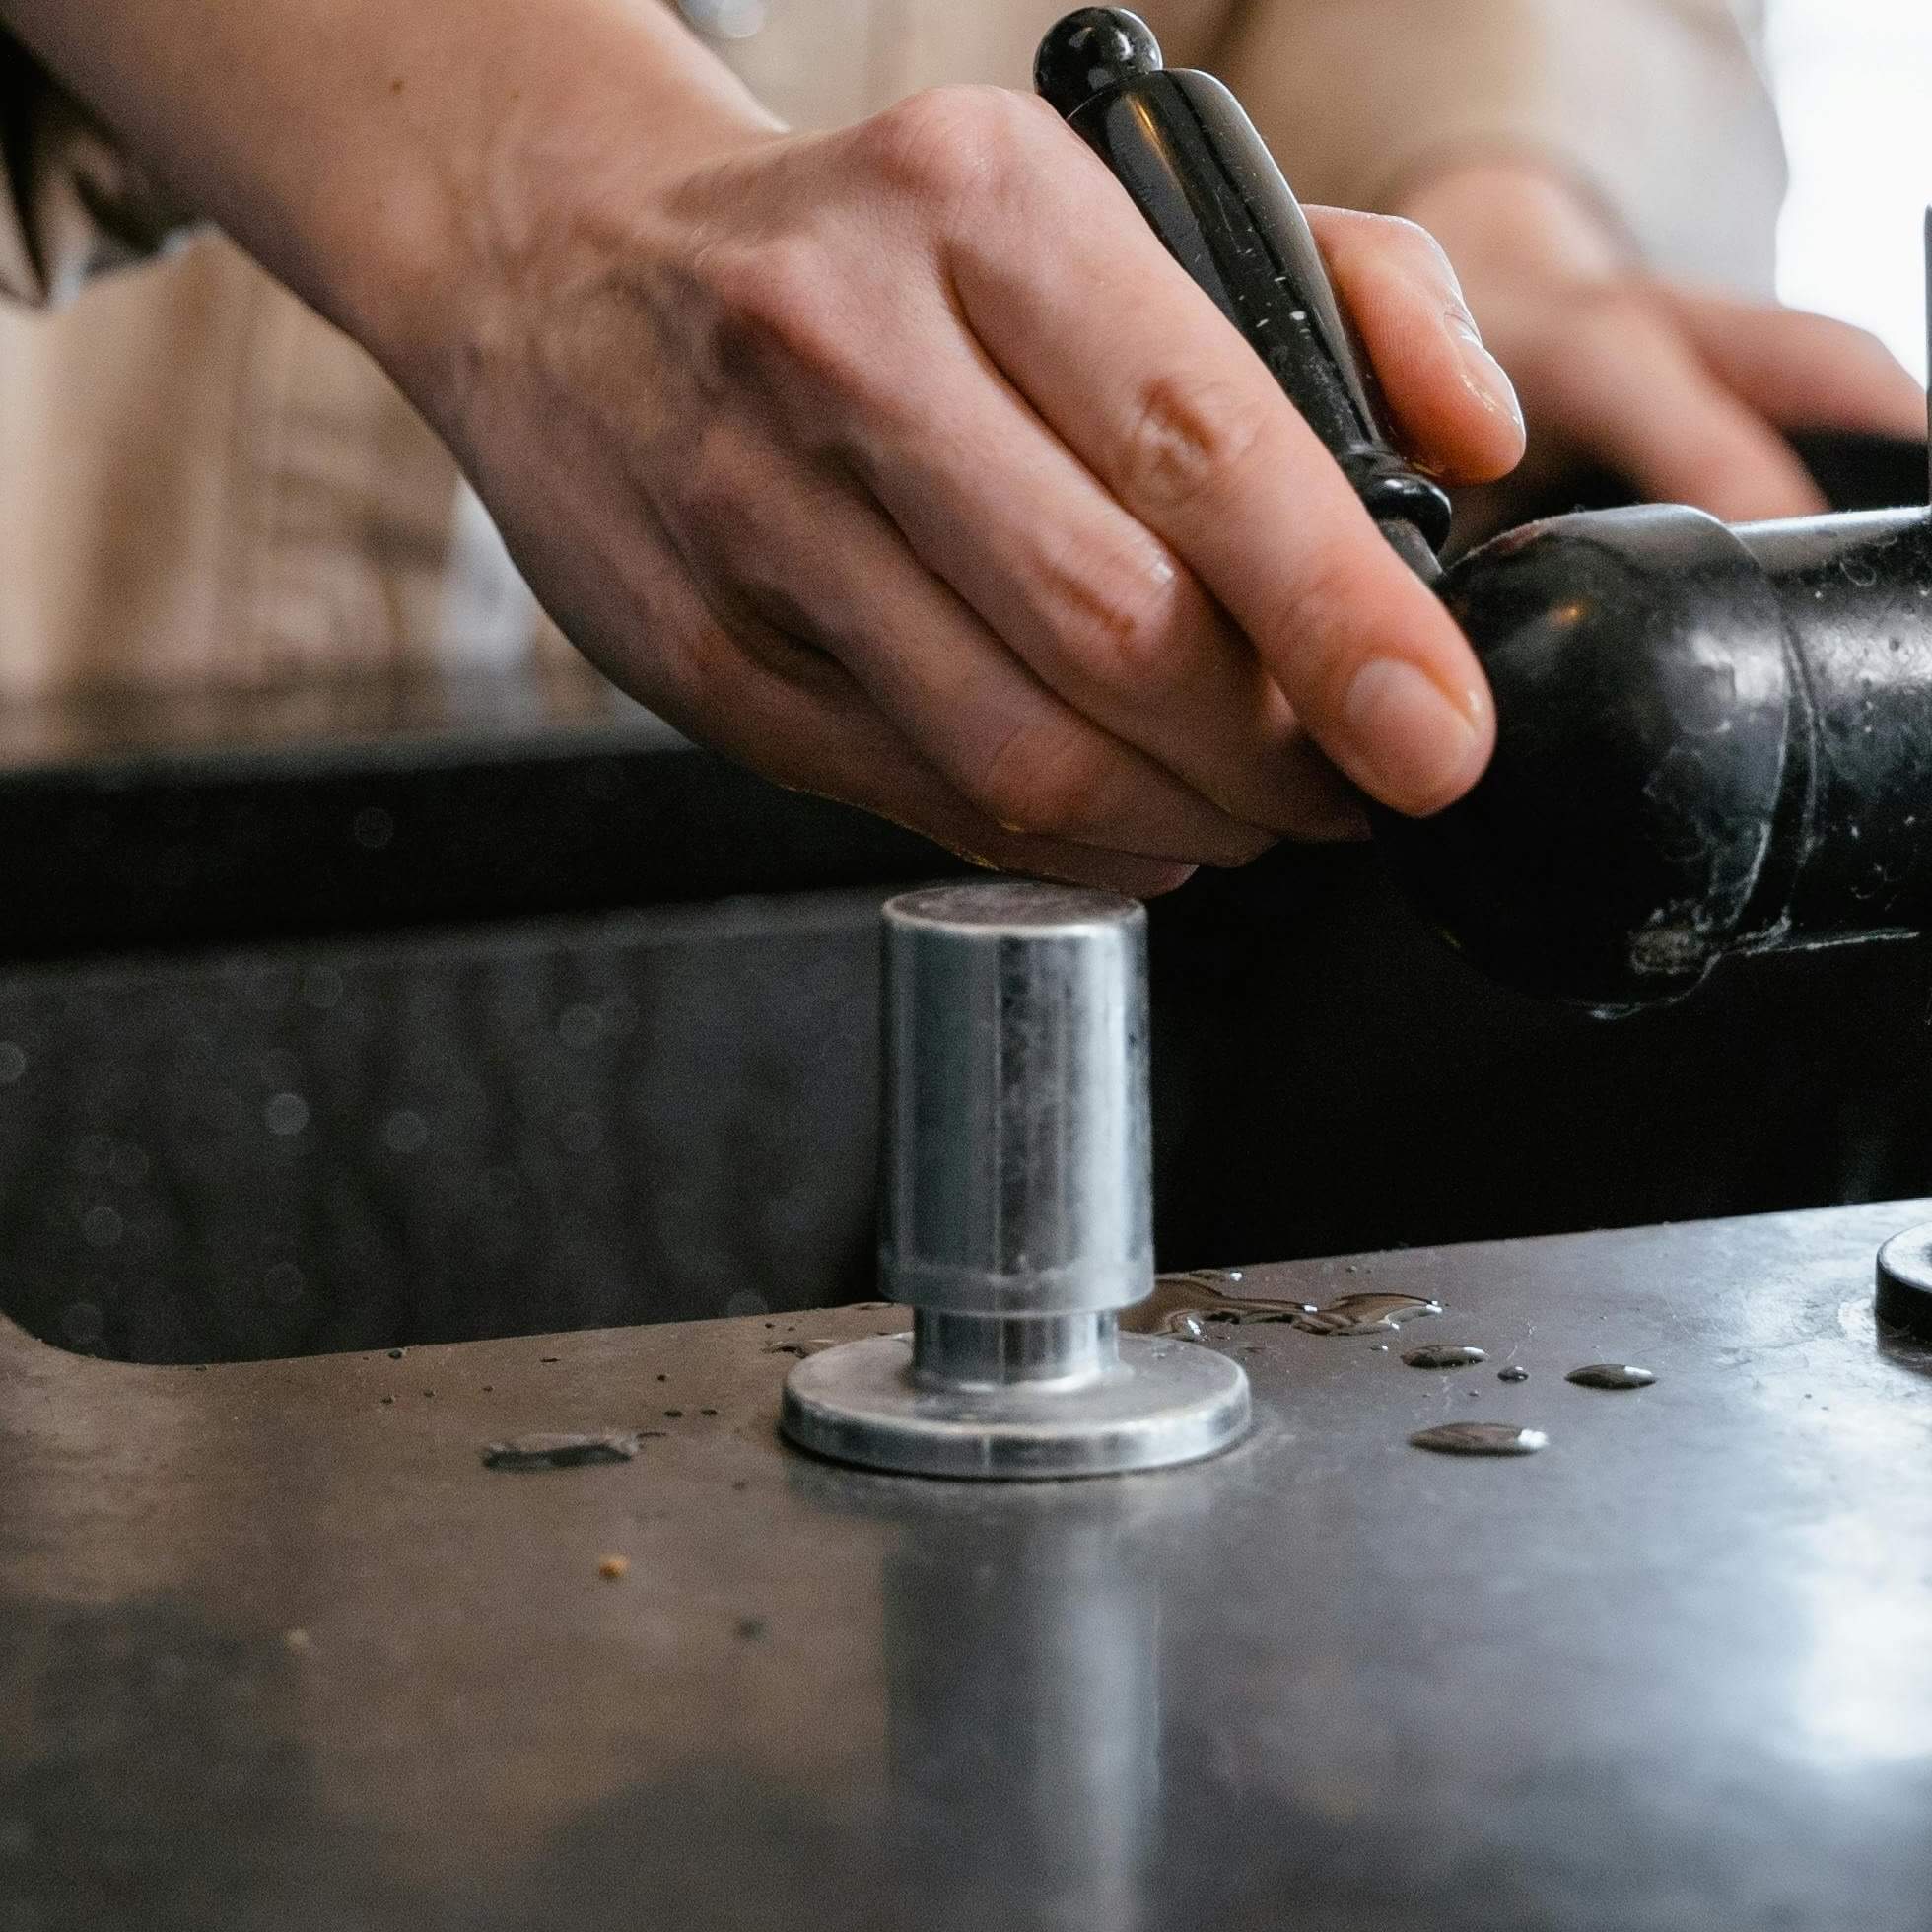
275 1651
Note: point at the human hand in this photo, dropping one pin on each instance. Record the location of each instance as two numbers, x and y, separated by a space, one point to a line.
1685 395
904 464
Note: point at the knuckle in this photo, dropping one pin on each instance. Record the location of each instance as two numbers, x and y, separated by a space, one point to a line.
1871 348
943 144
1042 780
1120 616
1315 641
1355 242
1399 237
1419 249
781 296
1186 441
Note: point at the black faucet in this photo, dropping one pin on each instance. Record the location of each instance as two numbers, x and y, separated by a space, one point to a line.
1710 739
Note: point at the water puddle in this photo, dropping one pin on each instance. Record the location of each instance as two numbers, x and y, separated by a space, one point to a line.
1369 1313
564 1451
1194 1304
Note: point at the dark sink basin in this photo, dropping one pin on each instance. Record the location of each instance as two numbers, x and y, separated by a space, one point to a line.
355 1017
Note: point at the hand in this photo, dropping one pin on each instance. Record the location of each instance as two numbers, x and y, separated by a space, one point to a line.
1686 395
904 464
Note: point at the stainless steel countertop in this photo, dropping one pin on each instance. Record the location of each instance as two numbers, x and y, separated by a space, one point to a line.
278 1652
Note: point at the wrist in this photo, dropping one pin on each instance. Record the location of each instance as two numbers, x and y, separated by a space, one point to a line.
481 192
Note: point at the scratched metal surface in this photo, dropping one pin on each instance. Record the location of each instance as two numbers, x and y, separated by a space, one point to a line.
1671 1672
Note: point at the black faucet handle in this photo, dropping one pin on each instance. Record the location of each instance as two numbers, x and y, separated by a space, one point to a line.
1191 161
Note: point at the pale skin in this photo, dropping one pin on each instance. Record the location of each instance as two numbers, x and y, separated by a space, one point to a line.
901 461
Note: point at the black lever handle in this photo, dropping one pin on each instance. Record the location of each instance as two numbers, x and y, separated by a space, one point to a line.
1181 145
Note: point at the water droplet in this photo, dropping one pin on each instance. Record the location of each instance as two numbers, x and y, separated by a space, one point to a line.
800 1348
1445 1354
405 1132
1480 1440
1515 1372
285 1112
1611 1375
560 1451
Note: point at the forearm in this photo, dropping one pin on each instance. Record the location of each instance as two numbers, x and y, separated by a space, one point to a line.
383 158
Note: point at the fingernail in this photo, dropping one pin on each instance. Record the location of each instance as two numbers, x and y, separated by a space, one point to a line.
1415 747
1483 376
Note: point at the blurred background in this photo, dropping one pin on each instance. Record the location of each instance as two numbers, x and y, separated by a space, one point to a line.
1853 79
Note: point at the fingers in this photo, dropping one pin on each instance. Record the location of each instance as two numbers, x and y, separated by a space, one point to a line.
1023 757
1453 406
813 729
1802 370
1183 424
1620 381
838 746
1102 611
801 718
